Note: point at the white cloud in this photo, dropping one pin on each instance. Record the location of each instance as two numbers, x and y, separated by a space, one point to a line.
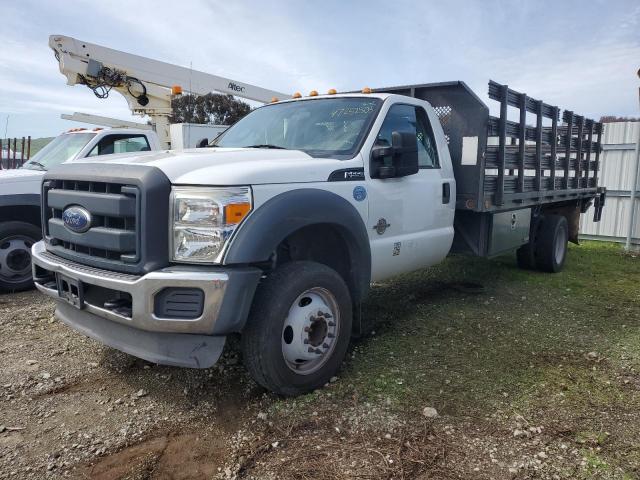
579 56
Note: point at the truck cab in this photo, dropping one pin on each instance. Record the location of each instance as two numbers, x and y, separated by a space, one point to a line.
20 192
275 232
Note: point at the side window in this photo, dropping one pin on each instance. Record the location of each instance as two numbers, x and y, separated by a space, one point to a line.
400 118
412 119
427 150
120 144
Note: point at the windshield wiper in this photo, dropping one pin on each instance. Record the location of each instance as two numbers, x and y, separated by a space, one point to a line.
37 164
266 145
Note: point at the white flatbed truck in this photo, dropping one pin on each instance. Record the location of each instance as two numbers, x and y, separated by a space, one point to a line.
276 231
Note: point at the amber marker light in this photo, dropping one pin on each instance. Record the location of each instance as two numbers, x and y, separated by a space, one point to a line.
235 212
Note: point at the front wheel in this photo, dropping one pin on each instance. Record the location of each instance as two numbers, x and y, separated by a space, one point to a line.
299 327
16 239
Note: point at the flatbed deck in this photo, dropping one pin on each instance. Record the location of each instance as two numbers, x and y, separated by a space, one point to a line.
503 165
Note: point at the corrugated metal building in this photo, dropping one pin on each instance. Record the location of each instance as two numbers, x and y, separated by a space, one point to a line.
617 168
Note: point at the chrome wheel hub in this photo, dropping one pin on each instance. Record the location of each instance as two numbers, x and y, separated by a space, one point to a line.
310 331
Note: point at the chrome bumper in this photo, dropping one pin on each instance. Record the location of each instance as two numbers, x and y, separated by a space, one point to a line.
143 290
195 343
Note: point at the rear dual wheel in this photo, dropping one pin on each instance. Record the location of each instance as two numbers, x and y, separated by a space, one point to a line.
547 247
299 327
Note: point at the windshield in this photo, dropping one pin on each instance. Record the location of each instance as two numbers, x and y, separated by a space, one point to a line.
60 149
319 127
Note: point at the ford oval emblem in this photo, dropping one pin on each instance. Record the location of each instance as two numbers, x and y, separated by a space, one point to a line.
76 219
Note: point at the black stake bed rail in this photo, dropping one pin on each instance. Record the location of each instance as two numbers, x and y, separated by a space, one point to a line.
502 164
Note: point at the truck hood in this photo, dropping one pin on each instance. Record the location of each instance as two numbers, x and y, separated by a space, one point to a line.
20 175
235 166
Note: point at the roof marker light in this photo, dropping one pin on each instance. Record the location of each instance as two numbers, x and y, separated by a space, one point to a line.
332 91
176 90
366 90
313 93
274 99
296 95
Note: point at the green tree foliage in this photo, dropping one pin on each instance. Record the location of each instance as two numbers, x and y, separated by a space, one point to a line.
212 108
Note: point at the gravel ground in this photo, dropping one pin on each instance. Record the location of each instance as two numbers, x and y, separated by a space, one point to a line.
531 377
68 404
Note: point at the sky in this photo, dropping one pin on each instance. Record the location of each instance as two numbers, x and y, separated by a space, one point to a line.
580 55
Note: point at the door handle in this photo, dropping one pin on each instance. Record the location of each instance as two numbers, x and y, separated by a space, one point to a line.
446 193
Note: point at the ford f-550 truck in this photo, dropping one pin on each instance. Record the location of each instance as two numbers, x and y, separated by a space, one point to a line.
277 230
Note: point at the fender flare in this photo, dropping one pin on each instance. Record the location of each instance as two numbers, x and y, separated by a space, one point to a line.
20 207
16 199
261 233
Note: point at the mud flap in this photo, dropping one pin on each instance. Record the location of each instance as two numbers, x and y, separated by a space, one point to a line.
599 202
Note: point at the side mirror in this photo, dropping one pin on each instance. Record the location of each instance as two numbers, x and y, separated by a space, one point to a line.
398 160
202 143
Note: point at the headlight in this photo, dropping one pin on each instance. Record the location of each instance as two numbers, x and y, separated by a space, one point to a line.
203 219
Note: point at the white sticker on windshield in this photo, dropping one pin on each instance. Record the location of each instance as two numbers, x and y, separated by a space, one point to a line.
469 151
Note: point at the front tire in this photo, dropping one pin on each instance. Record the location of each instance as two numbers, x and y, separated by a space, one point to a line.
16 239
299 328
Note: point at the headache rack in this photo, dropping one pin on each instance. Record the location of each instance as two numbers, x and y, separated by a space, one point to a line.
502 164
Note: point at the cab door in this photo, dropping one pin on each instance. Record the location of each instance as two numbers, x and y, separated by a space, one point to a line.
411 218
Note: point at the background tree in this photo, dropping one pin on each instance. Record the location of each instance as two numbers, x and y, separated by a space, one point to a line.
212 108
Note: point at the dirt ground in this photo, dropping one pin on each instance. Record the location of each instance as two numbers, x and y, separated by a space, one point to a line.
531 376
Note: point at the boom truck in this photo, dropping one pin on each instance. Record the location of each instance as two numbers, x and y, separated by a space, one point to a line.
148 86
276 231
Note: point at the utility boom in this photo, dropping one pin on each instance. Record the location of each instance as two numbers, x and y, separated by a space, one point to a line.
145 83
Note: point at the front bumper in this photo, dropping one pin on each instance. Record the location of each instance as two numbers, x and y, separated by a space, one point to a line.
149 331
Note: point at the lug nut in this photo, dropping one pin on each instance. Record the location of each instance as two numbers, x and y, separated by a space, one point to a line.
331 335
332 324
325 345
306 341
311 350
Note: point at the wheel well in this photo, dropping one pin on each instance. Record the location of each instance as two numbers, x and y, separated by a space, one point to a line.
21 213
322 243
